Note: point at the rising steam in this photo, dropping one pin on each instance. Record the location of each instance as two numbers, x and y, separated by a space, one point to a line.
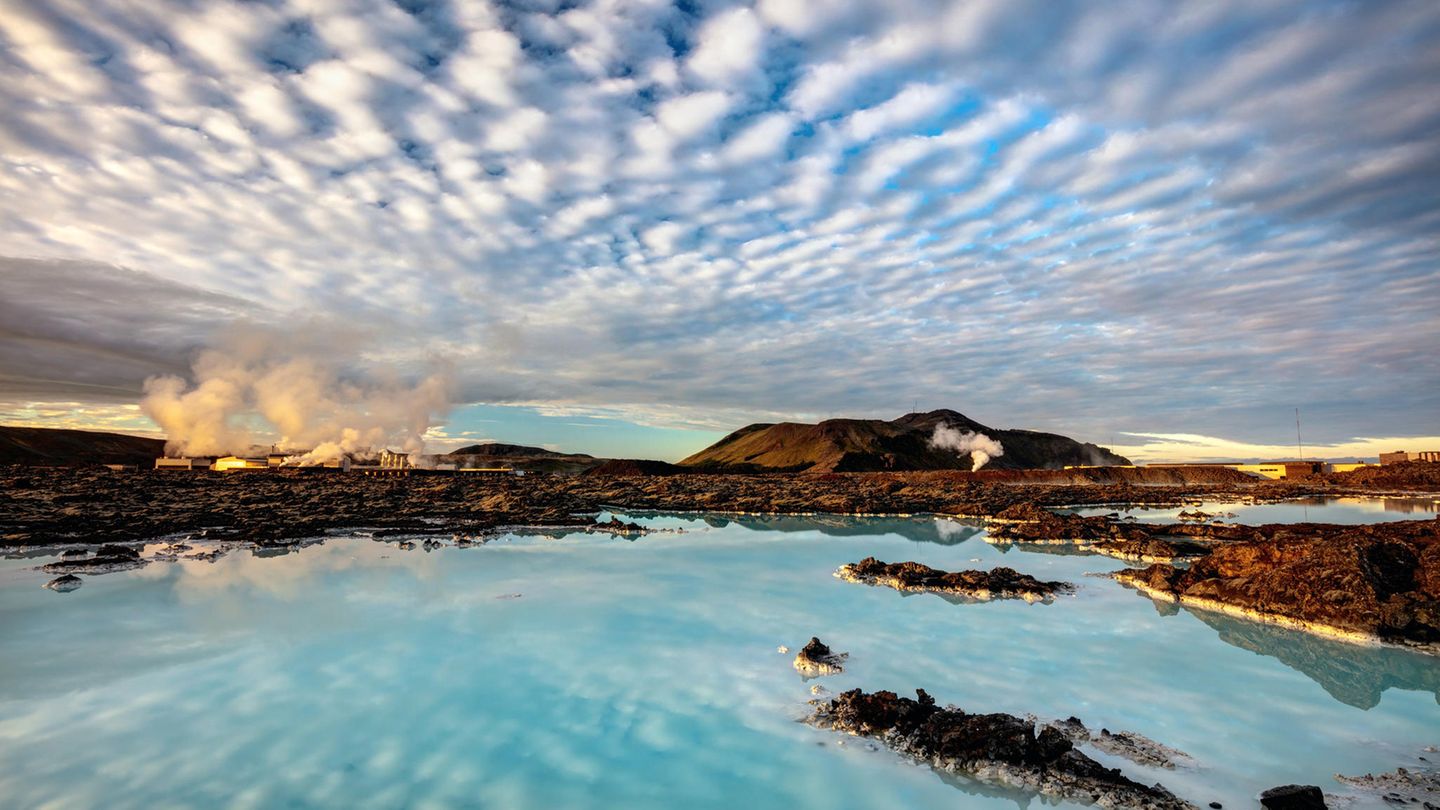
981 448
259 387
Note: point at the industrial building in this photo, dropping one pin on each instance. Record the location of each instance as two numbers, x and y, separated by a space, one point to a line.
189 464
236 463
391 464
1400 456
1270 469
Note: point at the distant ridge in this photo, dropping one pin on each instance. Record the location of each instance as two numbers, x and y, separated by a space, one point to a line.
858 445
71 448
522 457
511 451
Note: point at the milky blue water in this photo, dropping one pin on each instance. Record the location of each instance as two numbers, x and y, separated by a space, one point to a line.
593 671
1320 509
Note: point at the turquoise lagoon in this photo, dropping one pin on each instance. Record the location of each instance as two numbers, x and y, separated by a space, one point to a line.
1316 509
585 670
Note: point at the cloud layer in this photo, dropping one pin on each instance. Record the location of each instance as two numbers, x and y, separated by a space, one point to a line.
1155 216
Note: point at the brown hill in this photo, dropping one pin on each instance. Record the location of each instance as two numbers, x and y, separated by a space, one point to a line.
500 449
64 447
635 466
522 457
849 445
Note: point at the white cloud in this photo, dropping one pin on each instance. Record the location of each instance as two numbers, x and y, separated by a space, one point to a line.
730 46
1187 215
688 116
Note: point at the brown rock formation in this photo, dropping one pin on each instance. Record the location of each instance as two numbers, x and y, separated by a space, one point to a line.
996 748
997 583
1380 581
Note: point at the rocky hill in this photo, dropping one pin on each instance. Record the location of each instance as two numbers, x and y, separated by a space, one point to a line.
62 447
522 457
907 443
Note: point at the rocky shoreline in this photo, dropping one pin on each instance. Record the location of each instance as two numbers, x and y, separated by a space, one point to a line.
999 749
1291 575
1368 584
61 506
997 583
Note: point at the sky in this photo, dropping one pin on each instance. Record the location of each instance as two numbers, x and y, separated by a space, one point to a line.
628 228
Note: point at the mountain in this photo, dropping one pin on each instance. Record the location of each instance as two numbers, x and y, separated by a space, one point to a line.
500 449
521 457
63 447
850 445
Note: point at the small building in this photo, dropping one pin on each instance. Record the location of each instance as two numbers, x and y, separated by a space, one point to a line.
342 464
1400 457
236 463
276 459
1348 466
390 460
1282 469
188 464
1266 469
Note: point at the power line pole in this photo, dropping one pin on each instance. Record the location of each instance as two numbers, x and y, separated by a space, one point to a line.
1298 445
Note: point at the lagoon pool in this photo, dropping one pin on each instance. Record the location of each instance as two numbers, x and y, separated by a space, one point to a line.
593 671
1319 509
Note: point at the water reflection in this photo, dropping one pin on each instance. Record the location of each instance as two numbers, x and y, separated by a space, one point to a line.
1353 674
940 531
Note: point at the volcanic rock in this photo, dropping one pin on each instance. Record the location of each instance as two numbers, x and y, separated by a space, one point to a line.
995 748
64 583
997 583
1293 797
1127 744
816 659
1373 582
109 558
1401 786
618 526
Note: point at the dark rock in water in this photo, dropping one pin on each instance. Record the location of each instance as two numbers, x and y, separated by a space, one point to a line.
1293 797
64 583
73 553
406 545
113 550
998 583
816 659
996 748
1378 581
1401 786
1127 744
618 526
108 559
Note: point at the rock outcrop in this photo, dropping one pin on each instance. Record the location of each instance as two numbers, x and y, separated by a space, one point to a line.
816 659
997 583
994 748
1031 524
64 583
108 559
1376 582
1293 797
1401 787
1126 744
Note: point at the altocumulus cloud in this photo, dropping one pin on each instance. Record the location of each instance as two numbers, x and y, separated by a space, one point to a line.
1155 216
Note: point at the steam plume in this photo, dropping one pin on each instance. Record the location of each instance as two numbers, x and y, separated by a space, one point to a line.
257 385
981 448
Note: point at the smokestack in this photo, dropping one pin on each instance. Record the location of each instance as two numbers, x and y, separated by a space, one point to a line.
981 448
